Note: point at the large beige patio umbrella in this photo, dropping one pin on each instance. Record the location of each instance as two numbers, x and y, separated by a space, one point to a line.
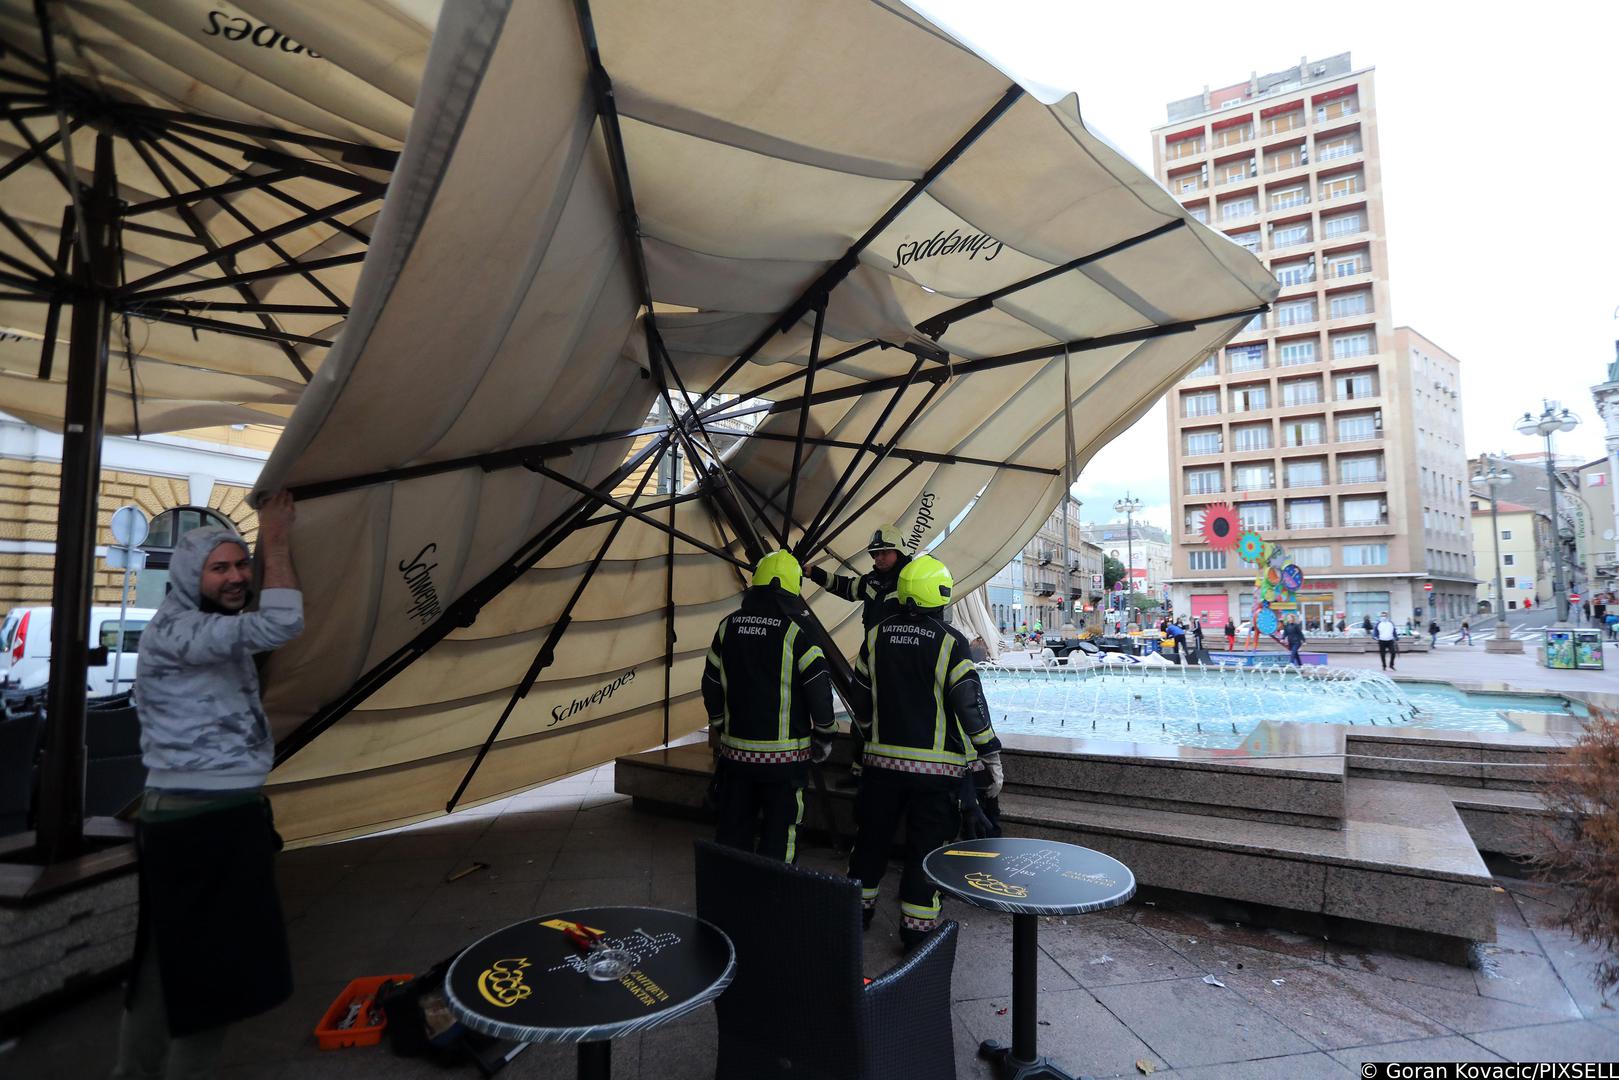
857 275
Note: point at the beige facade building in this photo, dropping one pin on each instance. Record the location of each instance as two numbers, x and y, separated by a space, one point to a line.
1331 430
1031 587
212 469
1524 545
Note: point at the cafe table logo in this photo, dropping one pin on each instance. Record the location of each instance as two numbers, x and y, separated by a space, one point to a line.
991 884
501 984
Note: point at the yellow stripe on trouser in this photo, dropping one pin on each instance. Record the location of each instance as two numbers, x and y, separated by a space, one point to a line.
919 911
792 830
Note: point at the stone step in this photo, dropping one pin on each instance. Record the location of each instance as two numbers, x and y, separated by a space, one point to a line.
1402 871
1501 821
1508 760
1284 773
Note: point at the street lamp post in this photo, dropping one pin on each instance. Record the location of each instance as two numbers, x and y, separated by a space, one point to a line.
1492 476
1552 419
1128 507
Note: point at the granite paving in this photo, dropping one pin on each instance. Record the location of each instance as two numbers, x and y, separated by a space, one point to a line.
1122 991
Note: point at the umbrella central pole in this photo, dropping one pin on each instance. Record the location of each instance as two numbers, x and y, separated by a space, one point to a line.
94 275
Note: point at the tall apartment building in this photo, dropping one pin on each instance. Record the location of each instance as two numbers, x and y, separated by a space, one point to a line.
1332 431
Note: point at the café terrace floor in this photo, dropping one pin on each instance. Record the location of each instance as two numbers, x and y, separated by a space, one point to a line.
1123 991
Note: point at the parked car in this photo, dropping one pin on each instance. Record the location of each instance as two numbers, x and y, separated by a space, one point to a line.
25 647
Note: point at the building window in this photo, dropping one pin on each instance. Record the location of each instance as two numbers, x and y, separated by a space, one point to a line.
1506 534
1342 305
1257 515
1207 367
1297 352
1306 473
1348 105
1253 325
1290 235
1339 187
1348 346
1250 397
1296 273
1289 197
1206 560
1307 513
1343 224
1355 385
1202 442
1287 157
1301 391
1202 403
1348 264
1248 240
1312 432
1204 481
1187 147
1308 557
1357 513
1509 582
1366 555
1253 478
1363 605
1229 172
1252 437
1239 207
1245 358
1288 121
1366 469
1188 182
1340 146
1509 560
1357 428
1236 133
1296 312
1199 213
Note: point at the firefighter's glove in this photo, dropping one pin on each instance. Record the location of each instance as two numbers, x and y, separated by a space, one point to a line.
820 747
819 576
997 775
975 824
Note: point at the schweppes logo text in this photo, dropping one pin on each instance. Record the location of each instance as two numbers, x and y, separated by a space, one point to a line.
501 984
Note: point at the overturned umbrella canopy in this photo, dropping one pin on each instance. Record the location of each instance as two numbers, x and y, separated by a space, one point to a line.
186 194
848 263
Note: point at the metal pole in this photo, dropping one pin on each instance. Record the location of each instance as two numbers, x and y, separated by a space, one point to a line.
1067 598
1130 566
123 610
1500 586
95 276
1557 538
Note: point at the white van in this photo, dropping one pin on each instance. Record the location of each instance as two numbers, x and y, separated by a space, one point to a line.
25 647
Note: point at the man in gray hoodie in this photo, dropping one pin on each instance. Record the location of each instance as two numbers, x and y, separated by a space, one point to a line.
208 900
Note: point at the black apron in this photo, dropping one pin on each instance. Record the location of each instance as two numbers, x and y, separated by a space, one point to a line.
208 904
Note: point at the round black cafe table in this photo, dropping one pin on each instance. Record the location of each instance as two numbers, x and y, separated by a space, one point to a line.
1028 878
529 982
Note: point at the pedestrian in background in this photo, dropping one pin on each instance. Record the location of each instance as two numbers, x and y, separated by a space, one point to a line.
1293 638
1433 633
1467 635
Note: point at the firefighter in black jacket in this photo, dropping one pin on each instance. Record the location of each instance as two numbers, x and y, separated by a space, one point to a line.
878 595
928 723
877 591
769 701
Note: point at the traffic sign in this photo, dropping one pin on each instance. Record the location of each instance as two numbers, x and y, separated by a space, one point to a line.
1427 586
129 526
1574 597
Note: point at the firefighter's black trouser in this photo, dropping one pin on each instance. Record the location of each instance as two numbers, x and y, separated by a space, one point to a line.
927 805
760 807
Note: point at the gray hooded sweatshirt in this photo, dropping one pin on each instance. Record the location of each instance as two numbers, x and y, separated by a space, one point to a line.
196 689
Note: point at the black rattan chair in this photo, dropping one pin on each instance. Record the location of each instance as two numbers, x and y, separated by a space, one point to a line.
797 1009
114 772
19 747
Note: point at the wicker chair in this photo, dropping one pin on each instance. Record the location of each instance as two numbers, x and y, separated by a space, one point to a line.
797 1009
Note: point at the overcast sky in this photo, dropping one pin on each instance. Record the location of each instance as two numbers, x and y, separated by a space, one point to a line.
1500 163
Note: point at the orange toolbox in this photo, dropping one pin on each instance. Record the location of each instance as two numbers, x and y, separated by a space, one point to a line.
360 1030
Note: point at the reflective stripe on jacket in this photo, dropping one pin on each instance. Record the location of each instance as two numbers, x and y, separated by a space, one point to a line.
765 684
